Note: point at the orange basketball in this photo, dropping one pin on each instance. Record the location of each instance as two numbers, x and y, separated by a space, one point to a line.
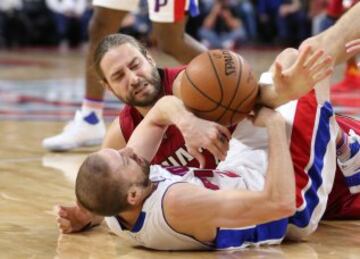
218 85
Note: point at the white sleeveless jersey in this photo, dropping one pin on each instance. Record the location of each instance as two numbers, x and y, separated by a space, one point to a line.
311 132
245 172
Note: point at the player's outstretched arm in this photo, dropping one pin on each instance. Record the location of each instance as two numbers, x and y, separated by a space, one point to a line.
198 133
293 75
114 137
237 208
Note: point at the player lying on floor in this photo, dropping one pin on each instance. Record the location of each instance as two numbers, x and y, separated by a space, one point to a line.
69 226
186 208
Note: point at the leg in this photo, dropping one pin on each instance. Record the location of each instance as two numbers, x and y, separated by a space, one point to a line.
88 127
329 40
313 149
168 19
103 22
238 35
180 45
313 136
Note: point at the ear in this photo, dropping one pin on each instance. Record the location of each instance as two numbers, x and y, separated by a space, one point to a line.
134 195
150 58
105 84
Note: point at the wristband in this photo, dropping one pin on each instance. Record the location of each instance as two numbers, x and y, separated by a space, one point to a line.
266 78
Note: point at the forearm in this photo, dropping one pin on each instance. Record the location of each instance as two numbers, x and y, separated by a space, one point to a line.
209 21
169 110
147 136
277 199
233 23
280 179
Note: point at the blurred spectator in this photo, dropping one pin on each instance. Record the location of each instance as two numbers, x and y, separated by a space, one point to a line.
222 28
11 28
335 8
39 26
285 20
71 18
317 12
267 15
293 24
245 10
194 23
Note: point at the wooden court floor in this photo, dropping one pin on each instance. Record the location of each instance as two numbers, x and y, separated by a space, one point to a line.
32 180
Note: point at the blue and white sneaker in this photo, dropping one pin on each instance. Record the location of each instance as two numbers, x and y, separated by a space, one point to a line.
351 167
82 131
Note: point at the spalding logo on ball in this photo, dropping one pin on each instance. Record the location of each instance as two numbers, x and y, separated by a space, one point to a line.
218 85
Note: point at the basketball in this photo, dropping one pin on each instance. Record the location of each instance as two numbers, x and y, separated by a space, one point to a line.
218 85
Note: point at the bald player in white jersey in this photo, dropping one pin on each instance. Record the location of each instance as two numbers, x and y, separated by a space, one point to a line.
233 207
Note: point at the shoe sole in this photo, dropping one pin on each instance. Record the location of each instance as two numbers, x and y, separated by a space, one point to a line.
63 148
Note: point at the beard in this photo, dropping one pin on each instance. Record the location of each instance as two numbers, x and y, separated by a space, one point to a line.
144 165
145 168
154 81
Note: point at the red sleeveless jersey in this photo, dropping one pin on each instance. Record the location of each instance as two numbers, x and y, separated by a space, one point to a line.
172 151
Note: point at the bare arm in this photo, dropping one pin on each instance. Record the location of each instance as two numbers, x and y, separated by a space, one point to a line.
197 133
114 137
237 208
210 20
230 20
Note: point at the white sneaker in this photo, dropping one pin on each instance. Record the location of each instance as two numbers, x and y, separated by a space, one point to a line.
80 132
351 167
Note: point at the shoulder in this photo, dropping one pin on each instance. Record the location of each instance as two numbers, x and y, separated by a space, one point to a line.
171 78
114 137
192 210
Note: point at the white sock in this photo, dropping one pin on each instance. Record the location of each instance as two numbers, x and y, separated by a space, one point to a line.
92 110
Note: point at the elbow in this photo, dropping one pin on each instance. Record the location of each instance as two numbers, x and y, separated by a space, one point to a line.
283 205
286 208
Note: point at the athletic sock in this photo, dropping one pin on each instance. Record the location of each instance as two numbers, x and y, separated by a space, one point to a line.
92 110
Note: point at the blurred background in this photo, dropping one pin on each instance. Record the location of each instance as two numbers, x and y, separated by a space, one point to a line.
43 46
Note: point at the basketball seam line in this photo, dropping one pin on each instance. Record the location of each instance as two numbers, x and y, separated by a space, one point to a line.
247 97
236 90
207 97
203 94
